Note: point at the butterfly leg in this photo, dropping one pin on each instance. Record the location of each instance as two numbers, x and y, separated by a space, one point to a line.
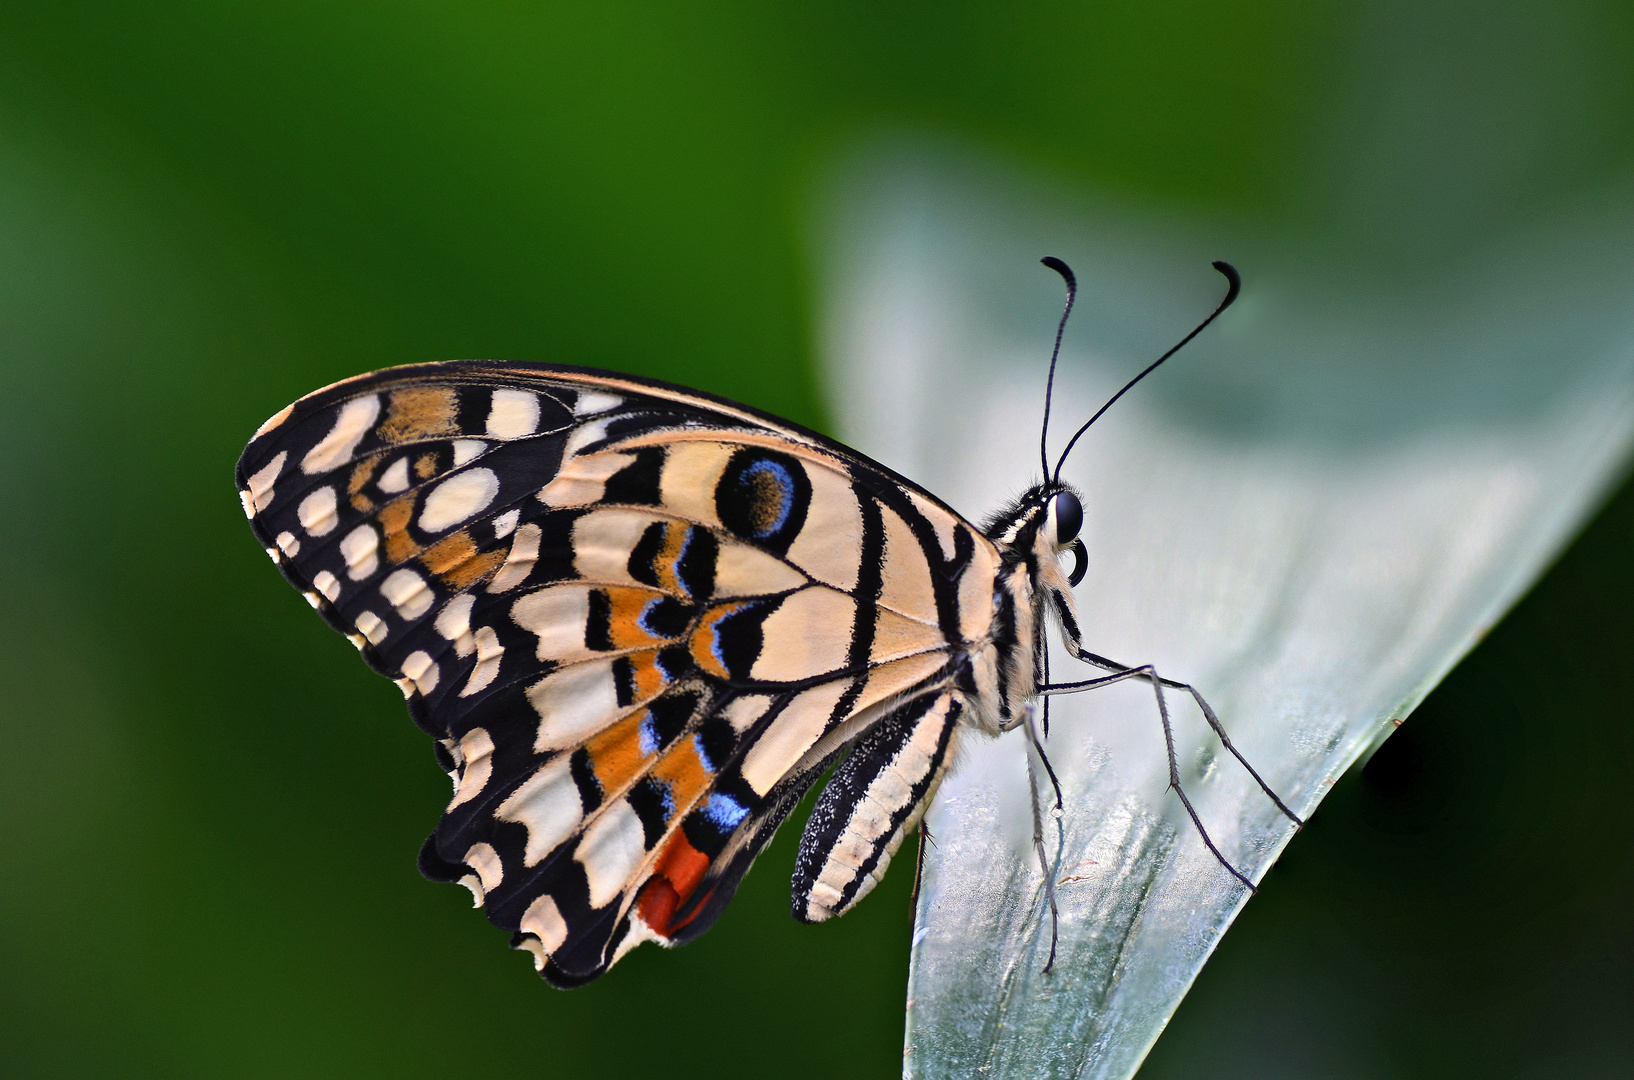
1208 714
1036 744
1149 674
1075 645
918 876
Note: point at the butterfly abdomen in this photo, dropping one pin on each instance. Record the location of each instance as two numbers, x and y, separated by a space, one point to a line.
874 799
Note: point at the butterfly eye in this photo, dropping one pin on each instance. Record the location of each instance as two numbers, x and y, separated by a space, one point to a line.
1068 513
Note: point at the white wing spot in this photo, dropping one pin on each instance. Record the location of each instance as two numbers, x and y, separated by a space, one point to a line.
360 549
471 882
583 436
489 650
351 424
288 544
419 667
549 805
639 933
326 583
519 563
395 478
557 616
485 861
468 450
514 413
610 852
372 627
529 944
454 623
592 402
544 921
583 481
573 704
476 752
317 512
407 592
261 482
458 498
505 523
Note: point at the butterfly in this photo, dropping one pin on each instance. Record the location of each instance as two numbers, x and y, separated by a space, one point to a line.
640 621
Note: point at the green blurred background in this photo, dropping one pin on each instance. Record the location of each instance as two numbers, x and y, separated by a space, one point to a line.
210 808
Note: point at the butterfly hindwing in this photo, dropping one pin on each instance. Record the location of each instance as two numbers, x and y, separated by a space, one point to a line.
638 621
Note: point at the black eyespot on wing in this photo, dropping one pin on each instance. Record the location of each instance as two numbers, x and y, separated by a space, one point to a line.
763 497
1069 517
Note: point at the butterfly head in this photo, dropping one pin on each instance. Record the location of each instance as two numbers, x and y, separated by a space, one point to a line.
1058 531
1044 523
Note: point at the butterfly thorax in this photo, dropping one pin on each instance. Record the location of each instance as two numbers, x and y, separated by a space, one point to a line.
1029 583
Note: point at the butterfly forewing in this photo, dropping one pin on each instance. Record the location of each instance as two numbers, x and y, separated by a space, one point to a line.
638 621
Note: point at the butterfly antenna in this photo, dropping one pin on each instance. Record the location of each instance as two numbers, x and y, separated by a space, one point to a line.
1235 286
1049 386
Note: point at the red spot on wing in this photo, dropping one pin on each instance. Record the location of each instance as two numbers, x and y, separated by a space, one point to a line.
680 868
657 905
683 864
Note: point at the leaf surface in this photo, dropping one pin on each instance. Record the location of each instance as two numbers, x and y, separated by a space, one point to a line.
1311 513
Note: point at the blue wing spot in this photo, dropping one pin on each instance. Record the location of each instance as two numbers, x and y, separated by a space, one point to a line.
715 644
680 559
724 812
647 734
703 754
644 619
666 796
